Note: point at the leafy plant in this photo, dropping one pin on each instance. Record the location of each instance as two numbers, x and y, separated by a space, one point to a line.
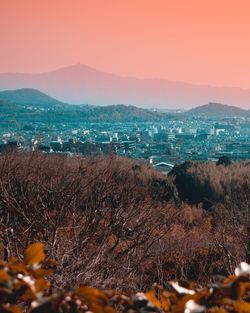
24 287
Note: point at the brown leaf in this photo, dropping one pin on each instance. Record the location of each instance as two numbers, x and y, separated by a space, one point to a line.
180 305
164 299
41 272
41 284
95 299
242 307
34 254
150 295
15 266
4 277
13 309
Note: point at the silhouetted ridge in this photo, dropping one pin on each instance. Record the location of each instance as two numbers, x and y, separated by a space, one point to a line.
28 96
217 109
80 83
30 104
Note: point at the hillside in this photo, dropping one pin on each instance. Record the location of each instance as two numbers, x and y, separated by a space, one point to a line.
217 109
31 104
121 112
29 96
82 84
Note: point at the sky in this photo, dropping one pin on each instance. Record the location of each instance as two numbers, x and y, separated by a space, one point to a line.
196 41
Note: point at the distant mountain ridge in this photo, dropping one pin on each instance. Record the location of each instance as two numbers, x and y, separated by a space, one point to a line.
25 102
82 84
217 109
32 104
29 96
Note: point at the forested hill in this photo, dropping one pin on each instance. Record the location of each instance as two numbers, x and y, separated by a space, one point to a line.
32 105
217 109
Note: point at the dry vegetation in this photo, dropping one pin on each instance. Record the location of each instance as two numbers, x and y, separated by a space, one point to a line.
116 223
24 288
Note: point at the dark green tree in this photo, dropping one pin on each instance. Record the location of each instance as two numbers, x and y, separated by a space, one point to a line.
224 160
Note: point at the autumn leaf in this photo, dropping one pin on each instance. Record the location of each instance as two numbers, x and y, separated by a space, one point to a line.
14 309
95 299
180 305
242 307
4 277
34 254
41 284
15 266
41 272
164 299
150 295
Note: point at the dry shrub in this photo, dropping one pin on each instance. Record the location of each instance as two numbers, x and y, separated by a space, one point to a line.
116 223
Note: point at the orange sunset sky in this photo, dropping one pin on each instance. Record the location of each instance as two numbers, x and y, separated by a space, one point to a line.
197 41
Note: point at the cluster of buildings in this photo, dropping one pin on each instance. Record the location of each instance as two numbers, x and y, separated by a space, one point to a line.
171 141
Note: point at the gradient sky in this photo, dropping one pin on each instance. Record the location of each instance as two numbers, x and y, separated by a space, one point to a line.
197 41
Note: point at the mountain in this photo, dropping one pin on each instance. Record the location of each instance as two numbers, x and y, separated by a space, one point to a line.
29 96
82 84
217 109
33 105
121 112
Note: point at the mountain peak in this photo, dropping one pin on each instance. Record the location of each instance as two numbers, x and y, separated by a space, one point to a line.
76 68
214 108
28 95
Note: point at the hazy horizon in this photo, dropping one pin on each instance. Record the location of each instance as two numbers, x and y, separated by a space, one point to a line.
80 83
197 42
118 75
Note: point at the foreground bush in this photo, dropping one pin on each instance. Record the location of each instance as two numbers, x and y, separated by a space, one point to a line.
24 288
111 222
101 218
